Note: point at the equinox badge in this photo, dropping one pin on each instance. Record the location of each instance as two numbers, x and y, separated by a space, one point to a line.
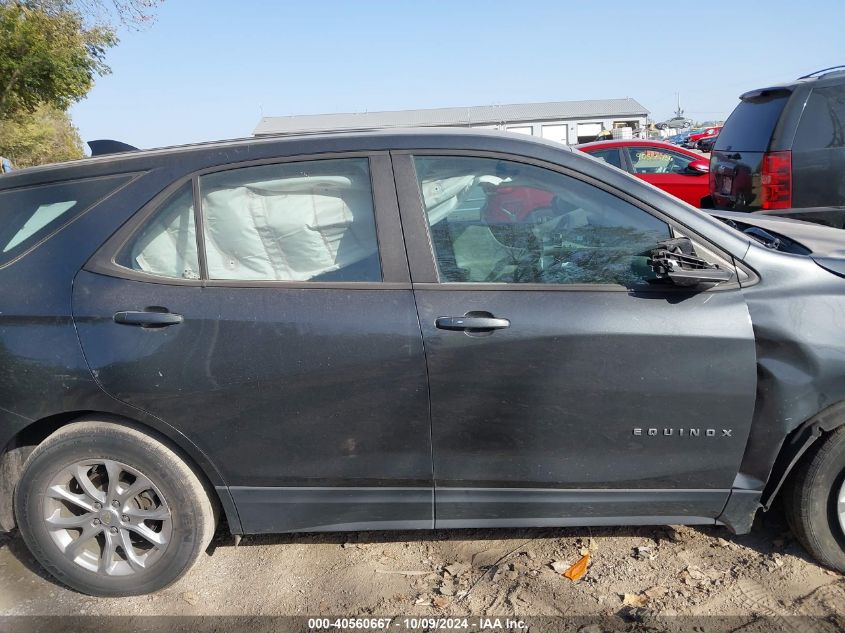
684 432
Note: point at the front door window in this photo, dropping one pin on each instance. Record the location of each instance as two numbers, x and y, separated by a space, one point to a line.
648 160
499 221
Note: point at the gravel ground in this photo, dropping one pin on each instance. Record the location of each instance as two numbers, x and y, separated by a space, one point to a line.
762 578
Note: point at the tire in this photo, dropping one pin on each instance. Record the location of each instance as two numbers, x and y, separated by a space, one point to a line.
155 516
810 500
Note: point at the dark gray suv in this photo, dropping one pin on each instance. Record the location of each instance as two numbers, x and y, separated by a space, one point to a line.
783 147
400 330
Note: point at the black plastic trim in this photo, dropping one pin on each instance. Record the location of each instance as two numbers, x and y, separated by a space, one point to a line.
199 228
418 244
324 509
319 509
796 444
229 509
740 510
521 507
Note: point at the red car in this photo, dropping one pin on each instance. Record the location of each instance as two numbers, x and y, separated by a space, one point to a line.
673 169
705 133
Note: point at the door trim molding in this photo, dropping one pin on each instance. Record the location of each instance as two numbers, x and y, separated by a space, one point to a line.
554 507
332 509
267 509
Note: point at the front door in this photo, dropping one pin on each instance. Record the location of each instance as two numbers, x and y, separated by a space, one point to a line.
286 346
565 387
668 170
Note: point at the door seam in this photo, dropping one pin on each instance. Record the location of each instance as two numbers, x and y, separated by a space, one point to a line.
425 353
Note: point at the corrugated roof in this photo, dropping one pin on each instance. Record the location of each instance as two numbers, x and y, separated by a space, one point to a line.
472 115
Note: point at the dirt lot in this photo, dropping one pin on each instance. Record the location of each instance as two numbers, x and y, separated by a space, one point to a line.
762 578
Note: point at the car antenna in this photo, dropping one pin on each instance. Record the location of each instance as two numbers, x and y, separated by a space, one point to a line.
107 146
823 70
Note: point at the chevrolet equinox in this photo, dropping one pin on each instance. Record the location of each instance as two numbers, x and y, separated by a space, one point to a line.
399 330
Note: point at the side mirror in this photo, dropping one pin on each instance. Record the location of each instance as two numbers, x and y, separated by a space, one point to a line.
683 277
699 166
675 260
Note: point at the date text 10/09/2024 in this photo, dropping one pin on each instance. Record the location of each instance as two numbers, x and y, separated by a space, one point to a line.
413 624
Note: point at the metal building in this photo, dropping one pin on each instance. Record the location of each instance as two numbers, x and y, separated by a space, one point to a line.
563 121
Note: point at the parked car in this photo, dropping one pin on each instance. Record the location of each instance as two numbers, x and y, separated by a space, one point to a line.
783 147
321 332
679 138
675 123
706 144
692 139
677 171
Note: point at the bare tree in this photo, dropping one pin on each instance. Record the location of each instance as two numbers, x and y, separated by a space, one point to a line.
132 14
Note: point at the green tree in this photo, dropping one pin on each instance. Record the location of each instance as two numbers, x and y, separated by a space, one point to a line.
47 57
44 136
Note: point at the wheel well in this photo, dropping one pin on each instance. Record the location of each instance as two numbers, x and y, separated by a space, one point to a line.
38 431
15 453
796 444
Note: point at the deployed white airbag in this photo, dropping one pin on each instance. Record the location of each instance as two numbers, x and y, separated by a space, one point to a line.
288 228
168 244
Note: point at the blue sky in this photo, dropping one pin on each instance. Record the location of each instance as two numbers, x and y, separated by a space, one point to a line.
209 69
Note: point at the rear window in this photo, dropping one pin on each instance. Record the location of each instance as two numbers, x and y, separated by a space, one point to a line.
31 214
750 126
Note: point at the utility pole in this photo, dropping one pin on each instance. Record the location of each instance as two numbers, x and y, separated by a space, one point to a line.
678 111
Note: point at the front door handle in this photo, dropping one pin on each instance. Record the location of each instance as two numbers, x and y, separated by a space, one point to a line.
471 322
145 318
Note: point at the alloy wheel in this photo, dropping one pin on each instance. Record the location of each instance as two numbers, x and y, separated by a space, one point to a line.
840 506
107 517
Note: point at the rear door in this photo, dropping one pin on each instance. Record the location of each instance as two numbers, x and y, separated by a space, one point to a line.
286 346
566 388
610 155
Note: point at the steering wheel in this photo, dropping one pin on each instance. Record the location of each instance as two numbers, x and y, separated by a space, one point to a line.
669 167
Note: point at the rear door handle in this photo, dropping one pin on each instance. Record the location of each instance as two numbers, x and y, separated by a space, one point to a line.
471 323
148 318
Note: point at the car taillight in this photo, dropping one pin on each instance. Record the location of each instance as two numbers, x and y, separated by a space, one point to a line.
776 180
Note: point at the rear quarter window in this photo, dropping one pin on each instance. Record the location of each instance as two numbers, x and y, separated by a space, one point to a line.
751 124
29 215
822 123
